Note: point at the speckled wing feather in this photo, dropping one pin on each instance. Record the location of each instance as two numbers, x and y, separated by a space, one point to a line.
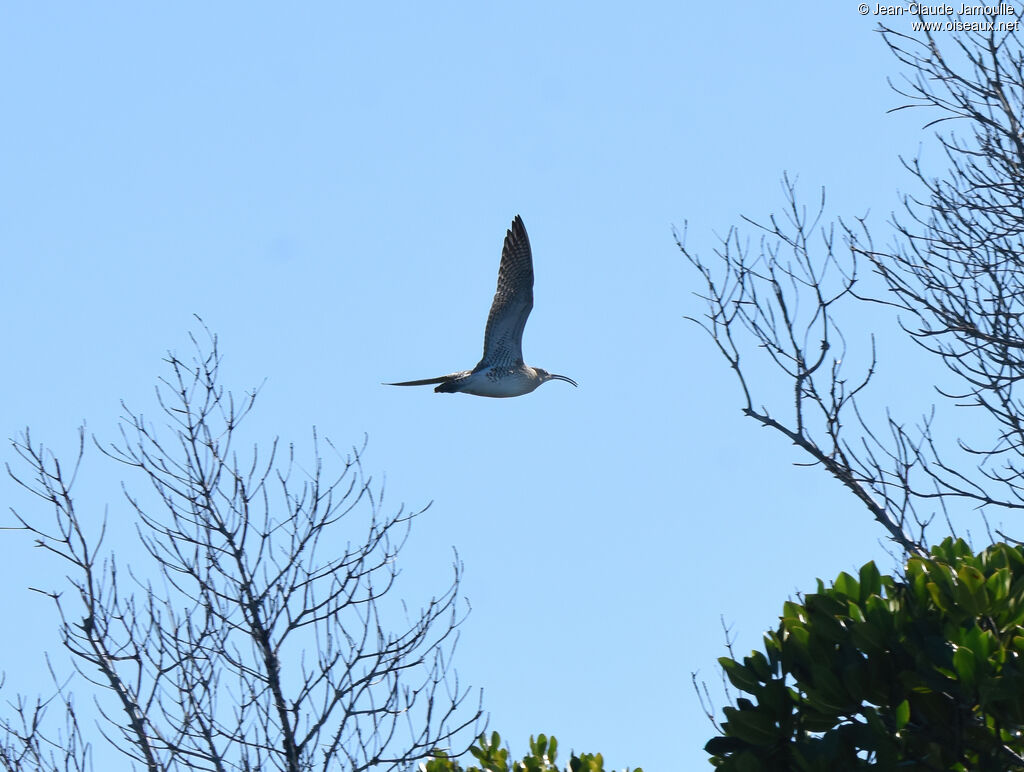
513 300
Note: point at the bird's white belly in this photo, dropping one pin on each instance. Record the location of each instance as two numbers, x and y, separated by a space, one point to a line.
500 382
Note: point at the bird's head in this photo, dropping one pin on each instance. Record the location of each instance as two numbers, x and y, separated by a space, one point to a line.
546 376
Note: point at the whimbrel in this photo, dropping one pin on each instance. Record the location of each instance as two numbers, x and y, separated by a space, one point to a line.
501 371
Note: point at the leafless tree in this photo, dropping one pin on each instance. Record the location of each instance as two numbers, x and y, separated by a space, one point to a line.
955 273
261 639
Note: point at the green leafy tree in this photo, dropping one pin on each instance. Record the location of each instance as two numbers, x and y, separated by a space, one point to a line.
925 672
493 758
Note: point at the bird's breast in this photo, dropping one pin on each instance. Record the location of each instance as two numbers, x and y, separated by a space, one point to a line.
501 382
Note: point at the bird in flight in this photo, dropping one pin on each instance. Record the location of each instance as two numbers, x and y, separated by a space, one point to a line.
501 371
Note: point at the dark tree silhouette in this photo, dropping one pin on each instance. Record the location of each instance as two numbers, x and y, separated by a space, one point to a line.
956 275
262 639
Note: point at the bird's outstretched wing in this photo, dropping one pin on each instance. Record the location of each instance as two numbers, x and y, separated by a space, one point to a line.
513 300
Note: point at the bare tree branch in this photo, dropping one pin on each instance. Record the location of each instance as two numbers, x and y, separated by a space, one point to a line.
260 642
958 270
783 303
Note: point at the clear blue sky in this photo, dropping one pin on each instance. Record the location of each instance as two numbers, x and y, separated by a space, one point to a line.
328 186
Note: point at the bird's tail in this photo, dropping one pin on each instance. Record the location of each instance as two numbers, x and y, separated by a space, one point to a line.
424 382
448 385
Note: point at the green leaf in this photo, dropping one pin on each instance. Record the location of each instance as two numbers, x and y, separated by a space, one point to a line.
847 585
868 637
998 584
855 612
827 685
902 714
939 598
970 590
870 581
964 665
721 746
751 726
798 635
758 663
739 676
794 611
